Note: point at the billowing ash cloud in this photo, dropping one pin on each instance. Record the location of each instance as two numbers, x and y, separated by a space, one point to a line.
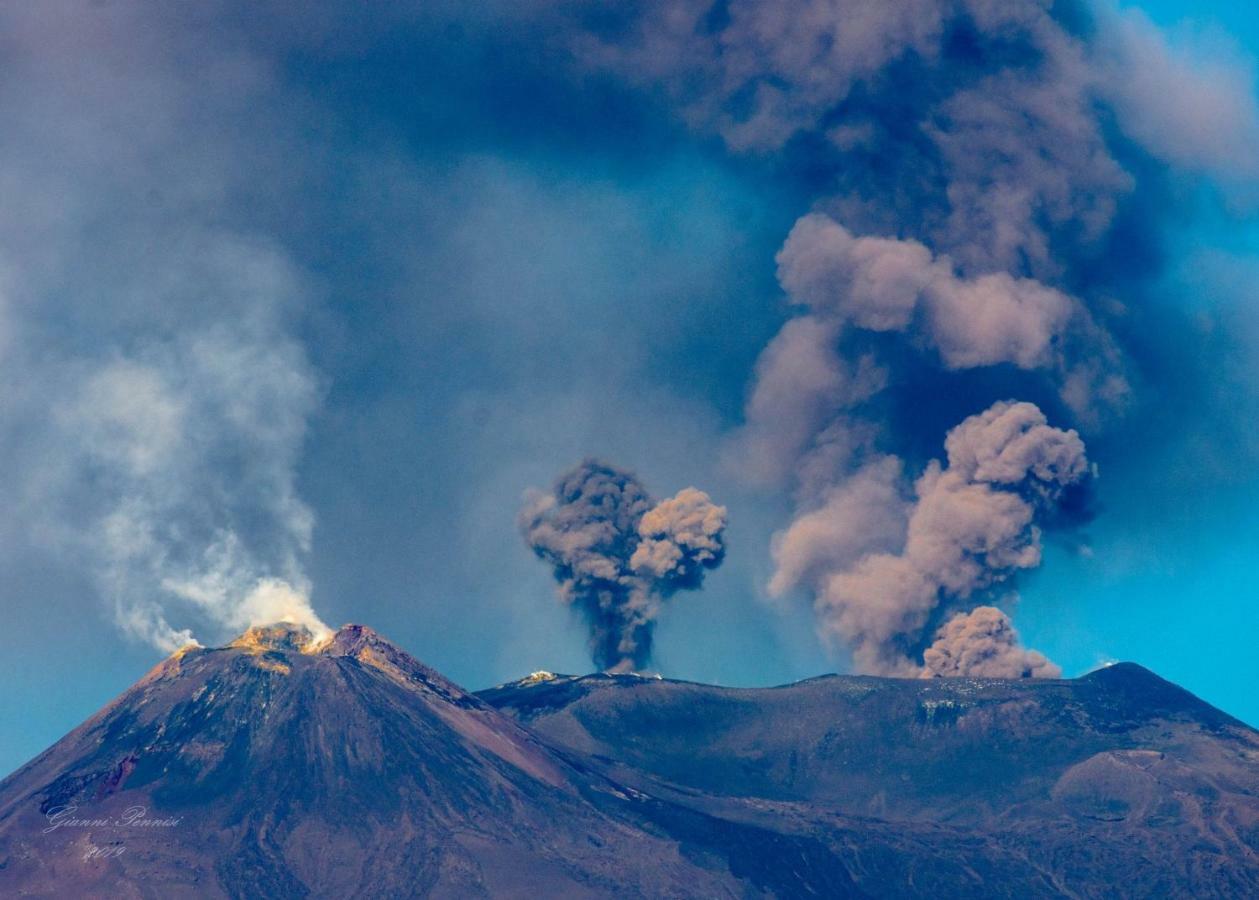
972 525
882 284
983 643
974 164
617 555
679 539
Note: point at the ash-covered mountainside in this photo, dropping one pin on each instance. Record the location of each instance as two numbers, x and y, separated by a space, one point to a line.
1116 783
283 767
275 768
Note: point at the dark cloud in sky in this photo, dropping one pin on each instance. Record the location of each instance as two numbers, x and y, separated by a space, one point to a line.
970 162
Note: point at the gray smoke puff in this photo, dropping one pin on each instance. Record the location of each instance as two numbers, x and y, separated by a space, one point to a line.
879 284
679 539
983 643
617 555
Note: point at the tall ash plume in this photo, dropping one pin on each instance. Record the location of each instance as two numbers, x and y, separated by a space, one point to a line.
618 555
973 524
973 166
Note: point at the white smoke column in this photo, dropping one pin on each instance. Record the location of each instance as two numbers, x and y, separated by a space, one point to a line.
182 457
971 527
617 555
156 391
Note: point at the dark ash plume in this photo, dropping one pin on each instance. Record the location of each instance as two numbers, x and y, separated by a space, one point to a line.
973 525
973 167
617 555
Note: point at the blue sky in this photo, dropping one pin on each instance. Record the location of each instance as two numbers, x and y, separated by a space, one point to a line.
1173 585
452 268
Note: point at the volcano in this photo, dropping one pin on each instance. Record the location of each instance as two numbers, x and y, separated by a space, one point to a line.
280 766
276 768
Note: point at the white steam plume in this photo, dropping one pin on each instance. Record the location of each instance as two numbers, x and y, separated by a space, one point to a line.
156 396
172 467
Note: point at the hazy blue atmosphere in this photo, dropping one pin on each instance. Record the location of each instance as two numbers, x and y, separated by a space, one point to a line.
301 303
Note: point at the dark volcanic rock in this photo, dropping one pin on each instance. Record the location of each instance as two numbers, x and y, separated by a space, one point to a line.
277 767
1115 784
352 771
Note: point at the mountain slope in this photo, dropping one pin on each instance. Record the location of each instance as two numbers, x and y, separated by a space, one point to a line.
277 767
1118 777
351 771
